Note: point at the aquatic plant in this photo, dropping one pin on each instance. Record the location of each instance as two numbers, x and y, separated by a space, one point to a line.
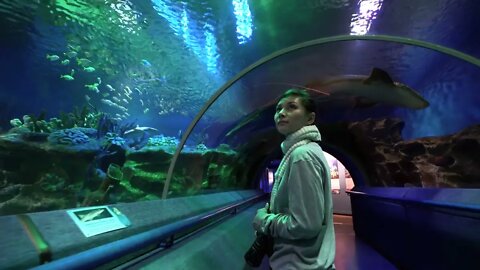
201 147
52 182
160 140
55 124
113 139
16 122
32 123
114 172
166 143
107 124
86 117
226 149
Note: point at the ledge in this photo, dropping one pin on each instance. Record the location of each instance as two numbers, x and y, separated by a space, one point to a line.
65 239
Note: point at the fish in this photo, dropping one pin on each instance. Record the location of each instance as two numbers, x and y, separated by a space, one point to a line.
146 63
145 111
113 104
91 215
89 69
67 77
139 135
53 57
378 87
83 61
65 62
140 130
71 54
92 87
110 88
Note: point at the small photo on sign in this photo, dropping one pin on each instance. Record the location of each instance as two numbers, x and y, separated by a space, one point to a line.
93 214
98 219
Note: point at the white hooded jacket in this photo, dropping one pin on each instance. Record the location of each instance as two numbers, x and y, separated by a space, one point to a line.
301 218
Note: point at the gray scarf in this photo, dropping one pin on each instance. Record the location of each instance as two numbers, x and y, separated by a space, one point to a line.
298 138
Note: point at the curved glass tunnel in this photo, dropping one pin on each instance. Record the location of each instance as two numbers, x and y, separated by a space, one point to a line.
95 99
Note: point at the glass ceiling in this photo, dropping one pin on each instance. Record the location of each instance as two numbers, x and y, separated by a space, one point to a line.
157 63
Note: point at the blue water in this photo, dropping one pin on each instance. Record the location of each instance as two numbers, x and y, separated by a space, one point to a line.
165 59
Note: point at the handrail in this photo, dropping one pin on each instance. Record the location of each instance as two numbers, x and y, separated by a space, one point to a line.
448 205
104 254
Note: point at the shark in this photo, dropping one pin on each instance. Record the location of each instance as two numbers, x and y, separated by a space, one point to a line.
139 135
378 87
139 129
91 215
351 91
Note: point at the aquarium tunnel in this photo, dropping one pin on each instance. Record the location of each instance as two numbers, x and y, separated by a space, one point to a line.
140 134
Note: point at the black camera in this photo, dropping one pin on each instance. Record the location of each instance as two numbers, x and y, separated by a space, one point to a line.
263 245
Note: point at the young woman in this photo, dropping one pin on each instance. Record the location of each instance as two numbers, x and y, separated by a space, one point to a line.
299 216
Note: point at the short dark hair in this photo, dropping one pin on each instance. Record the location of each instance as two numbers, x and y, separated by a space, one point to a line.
304 96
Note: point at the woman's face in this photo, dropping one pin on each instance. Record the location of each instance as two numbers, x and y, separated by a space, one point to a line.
291 115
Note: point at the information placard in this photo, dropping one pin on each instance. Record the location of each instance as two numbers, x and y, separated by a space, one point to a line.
98 219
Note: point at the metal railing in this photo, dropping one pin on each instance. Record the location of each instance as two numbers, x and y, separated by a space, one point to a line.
110 252
471 208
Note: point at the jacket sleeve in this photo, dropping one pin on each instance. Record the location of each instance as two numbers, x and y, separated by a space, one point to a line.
304 218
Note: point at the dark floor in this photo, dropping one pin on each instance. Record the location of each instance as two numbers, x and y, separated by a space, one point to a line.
351 252
222 247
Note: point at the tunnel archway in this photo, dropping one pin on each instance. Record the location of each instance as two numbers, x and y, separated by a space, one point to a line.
342 181
332 39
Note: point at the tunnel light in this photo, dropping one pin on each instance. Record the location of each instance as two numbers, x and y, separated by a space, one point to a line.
211 51
127 17
243 16
203 44
367 13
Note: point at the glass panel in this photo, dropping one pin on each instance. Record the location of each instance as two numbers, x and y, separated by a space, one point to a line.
207 163
77 78
393 129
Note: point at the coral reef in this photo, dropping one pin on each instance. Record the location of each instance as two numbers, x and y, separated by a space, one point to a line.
72 136
78 118
114 139
74 167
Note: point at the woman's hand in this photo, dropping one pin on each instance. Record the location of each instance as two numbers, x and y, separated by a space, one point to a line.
259 219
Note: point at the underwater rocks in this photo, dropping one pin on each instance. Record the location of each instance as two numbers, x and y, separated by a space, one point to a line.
387 130
29 199
56 168
46 175
71 168
74 140
146 170
445 161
